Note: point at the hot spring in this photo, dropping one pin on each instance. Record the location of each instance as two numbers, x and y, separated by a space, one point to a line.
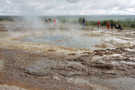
66 37
72 36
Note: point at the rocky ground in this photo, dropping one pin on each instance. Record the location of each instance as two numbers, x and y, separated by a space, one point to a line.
89 71
29 66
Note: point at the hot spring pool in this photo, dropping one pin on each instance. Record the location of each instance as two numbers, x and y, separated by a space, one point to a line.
66 39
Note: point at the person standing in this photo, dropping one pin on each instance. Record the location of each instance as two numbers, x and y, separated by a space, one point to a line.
108 25
99 24
84 21
112 25
54 21
119 27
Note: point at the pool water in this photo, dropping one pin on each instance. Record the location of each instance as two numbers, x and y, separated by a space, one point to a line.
66 39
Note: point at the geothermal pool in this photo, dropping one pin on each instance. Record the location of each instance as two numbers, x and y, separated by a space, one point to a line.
80 39
70 39
70 36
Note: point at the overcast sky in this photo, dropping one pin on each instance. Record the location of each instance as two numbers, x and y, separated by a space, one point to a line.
67 7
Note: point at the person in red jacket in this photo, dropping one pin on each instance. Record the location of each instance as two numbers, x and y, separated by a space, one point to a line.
54 21
108 25
99 24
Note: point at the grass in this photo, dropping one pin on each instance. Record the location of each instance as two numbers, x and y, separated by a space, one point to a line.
126 24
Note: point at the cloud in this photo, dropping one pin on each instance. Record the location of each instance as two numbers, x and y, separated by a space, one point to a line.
66 7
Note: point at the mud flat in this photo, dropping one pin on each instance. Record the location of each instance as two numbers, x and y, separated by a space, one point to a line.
27 65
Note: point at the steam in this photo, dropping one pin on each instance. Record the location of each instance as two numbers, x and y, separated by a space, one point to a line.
30 23
29 19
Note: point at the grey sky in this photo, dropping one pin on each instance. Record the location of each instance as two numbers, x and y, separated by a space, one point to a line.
66 7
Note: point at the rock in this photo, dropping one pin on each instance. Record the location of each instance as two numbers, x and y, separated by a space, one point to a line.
75 65
51 67
103 66
40 68
96 58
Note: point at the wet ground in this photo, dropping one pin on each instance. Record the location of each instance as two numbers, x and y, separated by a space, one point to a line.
30 65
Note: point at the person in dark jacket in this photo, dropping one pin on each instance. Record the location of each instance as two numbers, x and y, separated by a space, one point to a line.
112 25
118 26
83 21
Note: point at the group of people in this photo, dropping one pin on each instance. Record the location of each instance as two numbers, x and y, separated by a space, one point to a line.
110 25
48 20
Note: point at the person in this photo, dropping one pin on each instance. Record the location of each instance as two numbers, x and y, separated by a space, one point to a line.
83 21
54 21
46 20
119 27
112 25
108 25
98 23
49 20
